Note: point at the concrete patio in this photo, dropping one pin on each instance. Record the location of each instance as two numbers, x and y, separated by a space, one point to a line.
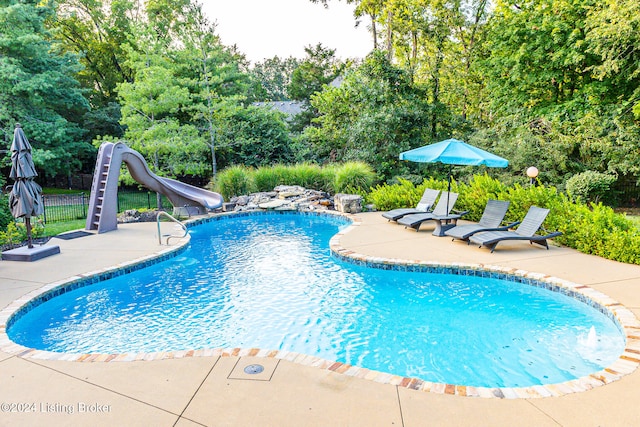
215 391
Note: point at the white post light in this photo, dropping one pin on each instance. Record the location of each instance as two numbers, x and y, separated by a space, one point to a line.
532 173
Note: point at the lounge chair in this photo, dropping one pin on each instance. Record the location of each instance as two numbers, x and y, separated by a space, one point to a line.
424 205
527 230
441 215
492 217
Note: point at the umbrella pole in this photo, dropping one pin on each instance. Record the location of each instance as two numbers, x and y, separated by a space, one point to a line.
448 189
27 223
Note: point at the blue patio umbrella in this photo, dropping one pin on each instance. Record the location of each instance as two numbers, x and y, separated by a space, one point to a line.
454 152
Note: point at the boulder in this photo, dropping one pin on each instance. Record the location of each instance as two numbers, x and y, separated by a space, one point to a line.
348 203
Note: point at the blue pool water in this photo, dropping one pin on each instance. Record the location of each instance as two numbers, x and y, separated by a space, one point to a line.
269 281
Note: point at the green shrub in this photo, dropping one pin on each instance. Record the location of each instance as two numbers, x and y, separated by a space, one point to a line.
474 196
266 178
5 213
306 175
522 198
309 175
354 177
386 197
234 181
12 235
590 186
403 195
328 175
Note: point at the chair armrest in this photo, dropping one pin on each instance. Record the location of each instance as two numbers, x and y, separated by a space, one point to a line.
551 234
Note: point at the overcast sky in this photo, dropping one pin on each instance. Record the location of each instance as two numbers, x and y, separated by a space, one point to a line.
266 28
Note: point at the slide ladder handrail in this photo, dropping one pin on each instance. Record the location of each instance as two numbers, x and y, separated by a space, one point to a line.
169 236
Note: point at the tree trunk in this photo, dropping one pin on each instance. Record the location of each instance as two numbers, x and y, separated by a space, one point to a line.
436 92
374 30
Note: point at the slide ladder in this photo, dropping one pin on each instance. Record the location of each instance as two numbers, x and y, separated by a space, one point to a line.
101 203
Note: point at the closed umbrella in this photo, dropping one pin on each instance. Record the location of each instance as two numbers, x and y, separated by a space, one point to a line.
25 199
454 152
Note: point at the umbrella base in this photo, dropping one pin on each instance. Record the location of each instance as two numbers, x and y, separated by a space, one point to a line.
27 254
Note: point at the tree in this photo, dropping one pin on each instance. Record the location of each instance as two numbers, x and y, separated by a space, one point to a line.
545 87
273 76
613 34
375 113
217 78
318 69
253 136
151 106
97 31
38 88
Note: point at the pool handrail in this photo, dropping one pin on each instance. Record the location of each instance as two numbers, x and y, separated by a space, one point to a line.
169 236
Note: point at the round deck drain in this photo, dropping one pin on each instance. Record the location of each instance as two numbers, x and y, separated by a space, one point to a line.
253 369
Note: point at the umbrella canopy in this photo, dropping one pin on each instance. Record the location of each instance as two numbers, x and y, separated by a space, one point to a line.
21 161
454 152
25 199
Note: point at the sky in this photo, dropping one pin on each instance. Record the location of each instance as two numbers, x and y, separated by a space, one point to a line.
266 28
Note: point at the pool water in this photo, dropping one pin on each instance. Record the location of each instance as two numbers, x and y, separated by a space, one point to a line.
269 281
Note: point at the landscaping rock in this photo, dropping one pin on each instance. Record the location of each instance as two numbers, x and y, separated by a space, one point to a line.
348 203
133 215
283 197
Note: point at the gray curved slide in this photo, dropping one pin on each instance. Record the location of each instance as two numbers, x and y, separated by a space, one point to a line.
102 215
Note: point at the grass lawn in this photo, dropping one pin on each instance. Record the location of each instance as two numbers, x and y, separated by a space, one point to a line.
635 219
632 214
55 228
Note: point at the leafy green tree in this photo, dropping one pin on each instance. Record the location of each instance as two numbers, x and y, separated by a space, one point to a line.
548 83
252 136
273 76
613 34
151 105
38 88
319 68
465 83
217 79
98 30
375 113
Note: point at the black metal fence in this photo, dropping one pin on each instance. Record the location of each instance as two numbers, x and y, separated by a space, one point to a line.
69 207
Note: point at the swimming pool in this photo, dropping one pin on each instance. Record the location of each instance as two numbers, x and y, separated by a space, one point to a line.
271 282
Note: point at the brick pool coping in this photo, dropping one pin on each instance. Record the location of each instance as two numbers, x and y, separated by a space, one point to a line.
627 362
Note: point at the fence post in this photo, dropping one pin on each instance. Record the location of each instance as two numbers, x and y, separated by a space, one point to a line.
148 200
44 211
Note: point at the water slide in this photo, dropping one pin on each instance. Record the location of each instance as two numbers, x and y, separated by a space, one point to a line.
103 203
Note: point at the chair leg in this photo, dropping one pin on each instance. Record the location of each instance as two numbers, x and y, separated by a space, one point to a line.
544 243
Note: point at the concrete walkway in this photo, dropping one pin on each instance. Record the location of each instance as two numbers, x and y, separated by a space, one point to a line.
215 391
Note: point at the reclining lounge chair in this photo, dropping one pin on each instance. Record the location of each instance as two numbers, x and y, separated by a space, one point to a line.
441 215
424 205
492 217
527 230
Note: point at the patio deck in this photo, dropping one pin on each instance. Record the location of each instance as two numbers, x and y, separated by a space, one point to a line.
214 391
